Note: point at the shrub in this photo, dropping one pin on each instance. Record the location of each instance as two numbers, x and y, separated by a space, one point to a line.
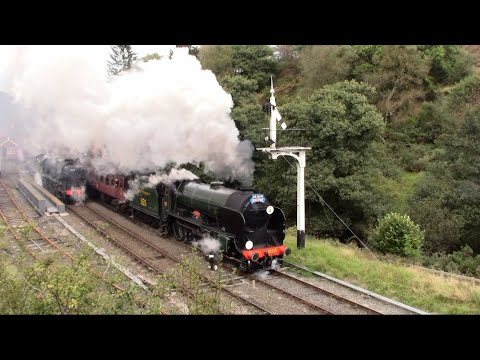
463 262
397 234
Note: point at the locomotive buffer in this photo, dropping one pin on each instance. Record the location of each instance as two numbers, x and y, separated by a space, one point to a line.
298 153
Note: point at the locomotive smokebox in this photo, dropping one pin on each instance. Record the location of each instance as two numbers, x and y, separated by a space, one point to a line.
246 188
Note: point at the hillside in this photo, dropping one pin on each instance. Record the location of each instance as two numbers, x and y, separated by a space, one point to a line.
475 51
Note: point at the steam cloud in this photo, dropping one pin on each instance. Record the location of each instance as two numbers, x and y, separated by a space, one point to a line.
208 245
139 183
38 178
162 111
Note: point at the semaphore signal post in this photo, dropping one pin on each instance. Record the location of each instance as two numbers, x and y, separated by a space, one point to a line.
298 153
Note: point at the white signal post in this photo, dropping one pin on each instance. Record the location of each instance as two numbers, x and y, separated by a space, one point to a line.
298 153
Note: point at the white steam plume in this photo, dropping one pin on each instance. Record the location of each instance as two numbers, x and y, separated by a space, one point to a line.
140 183
38 178
162 111
208 245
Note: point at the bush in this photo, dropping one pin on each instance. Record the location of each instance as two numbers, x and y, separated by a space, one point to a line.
399 235
463 262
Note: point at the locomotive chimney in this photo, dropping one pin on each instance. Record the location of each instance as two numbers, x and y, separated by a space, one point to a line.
216 184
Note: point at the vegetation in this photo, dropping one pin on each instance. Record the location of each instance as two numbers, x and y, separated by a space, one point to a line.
149 57
397 234
393 129
410 286
50 287
122 58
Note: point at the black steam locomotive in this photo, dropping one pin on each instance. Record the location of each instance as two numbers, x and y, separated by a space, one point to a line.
243 224
64 178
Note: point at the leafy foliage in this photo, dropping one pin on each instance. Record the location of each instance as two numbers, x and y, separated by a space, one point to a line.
241 89
255 62
122 58
325 64
464 96
286 53
149 57
425 94
463 262
217 58
343 128
398 234
451 191
398 74
450 63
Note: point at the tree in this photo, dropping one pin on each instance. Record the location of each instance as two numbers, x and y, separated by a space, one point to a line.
122 58
447 202
325 64
450 63
194 50
255 62
364 59
345 132
286 53
241 89
217 58
398 74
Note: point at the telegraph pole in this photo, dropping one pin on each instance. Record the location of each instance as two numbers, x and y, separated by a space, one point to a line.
299 154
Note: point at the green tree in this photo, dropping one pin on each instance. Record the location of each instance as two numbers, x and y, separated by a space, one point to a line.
255 62
429 207
450 63
345 132
217 58
364 59
398 234
398 74
452 189
463 97
122 58
325 64
241 89
249 120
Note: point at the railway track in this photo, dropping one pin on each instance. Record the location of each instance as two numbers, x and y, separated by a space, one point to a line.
389 306
22 228
242 285
146 252
315 295
304 298
336 298
38 245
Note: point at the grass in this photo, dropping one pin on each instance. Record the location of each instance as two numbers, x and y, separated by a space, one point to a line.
400 191
410 286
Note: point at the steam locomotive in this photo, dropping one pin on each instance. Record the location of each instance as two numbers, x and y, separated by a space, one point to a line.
64 178
243 224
